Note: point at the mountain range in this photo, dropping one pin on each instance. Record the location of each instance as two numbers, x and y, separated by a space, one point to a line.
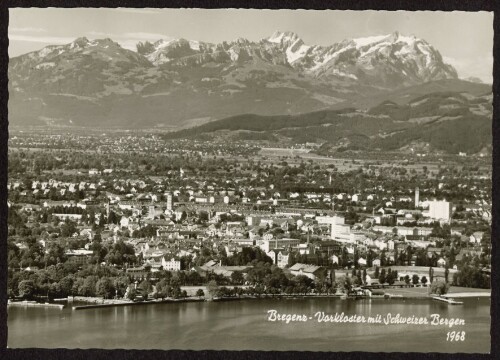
178 83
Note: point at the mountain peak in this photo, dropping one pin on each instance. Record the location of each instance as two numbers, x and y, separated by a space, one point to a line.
81 41
392 38
283 36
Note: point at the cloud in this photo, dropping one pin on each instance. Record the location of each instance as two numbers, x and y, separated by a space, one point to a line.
139 36
26 29
56 40
138 10
480 67
144 36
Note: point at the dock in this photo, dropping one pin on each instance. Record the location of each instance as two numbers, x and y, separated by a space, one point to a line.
34 304
447 300
136 303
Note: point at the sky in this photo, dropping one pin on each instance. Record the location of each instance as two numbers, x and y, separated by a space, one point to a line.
464 39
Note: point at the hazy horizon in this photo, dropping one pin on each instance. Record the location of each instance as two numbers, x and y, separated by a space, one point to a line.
464 39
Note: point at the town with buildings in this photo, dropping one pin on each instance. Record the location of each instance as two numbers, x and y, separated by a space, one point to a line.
205 219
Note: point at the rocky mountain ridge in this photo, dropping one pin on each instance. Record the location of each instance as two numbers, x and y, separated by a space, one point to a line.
175 83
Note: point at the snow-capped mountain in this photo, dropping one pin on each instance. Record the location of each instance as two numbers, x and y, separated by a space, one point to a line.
387 60
100 81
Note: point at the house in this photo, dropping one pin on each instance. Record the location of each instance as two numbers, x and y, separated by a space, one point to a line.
216 268
171 265
243 242
137 272
434 250
79 256
441 262
279 257
476 237
310 271
124 222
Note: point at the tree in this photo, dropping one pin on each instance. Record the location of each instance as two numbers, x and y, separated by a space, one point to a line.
439 288
105 288
121 284
88 287
332 276
382 277
431 274
414 279
360 277
162 288
237 277
131 294
391 277
424 280
303 284
377 272
66 285
407 279
145 288
212 288
26 289
200 293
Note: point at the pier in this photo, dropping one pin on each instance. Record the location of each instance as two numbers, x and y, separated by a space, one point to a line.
34 304
447 300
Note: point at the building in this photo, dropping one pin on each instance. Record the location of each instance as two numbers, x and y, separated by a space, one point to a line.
80 256
417 197
279 257
268 245
440 210
339 229
137 272
171 265
253 220
476 237
243 242
310 271
68 216
169 202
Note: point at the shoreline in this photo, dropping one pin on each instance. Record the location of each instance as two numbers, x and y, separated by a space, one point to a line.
282 297
95 303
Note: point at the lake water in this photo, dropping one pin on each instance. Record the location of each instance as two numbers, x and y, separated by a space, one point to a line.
244 325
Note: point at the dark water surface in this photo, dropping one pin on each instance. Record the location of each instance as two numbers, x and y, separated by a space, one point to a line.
244 325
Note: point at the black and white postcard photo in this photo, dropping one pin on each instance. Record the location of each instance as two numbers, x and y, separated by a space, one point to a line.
249 179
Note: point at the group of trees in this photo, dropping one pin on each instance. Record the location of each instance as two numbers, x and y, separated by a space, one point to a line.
471 276
54 253
248 256
386 276
64 280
